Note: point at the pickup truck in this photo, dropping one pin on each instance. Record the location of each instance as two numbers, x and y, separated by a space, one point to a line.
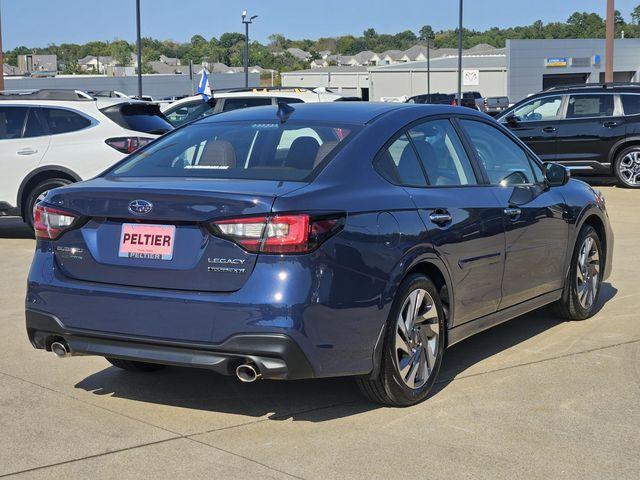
494 105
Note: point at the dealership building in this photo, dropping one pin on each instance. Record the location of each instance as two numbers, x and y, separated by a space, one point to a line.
521 68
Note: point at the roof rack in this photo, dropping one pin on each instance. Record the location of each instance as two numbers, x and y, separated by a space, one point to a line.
46 94
270 89
603 85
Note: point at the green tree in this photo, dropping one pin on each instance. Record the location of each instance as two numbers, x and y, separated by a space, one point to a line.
121 52
425 33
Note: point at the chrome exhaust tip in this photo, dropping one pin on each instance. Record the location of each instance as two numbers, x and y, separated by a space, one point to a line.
248 373
61 349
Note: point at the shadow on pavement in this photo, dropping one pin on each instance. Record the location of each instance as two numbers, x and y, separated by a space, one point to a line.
14 227
303 400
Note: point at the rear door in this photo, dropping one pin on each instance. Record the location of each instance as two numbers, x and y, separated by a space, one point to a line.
24 141
536 124
593 124
536 231
462 217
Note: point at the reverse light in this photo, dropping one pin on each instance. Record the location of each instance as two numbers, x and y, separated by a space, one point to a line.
297 233
50 222
127 144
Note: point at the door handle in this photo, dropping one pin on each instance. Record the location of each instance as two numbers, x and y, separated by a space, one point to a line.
513 212
27 151
549 129
610 124
440 217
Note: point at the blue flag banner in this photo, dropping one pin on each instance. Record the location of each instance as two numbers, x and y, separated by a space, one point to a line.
204 88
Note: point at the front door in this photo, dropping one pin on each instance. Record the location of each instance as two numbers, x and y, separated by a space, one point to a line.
536 124
536 232
592 126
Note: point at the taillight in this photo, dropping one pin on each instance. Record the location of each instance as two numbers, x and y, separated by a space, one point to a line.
454 103
51 222
127 144
296 233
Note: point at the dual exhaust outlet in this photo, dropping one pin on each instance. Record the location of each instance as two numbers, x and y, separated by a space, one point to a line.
246 372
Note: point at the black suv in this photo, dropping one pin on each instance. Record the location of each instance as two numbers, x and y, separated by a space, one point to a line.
592 129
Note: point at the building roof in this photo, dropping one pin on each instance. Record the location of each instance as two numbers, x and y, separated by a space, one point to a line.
495 61
334 69
10 70
299 53
159 66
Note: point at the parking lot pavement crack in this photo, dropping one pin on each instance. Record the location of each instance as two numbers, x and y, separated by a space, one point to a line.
542 360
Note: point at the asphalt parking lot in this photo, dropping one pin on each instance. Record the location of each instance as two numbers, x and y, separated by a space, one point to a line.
532 398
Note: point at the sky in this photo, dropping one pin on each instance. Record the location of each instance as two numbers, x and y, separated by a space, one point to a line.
37 23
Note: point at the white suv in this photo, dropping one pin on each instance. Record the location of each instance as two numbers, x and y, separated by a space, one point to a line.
50 138
192 108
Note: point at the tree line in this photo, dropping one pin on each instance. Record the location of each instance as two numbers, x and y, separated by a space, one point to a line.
228 48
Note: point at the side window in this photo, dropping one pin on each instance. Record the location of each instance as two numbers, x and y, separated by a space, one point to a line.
504 161
400 165
442 154
238 103
630 104
12 121
540 109
63 121
189 112
587 106
34 127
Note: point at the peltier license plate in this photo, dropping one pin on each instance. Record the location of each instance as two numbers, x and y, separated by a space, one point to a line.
153 242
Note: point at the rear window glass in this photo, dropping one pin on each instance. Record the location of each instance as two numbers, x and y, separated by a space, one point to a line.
631 104
265 151
12 121
140 117
585 106
187 112
63 121
238 103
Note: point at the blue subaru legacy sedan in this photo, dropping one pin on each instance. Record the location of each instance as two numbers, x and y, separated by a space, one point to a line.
319 240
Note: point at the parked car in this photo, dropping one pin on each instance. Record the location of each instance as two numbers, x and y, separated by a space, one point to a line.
494 105
314 240
191 108
50 138
468 99
592 129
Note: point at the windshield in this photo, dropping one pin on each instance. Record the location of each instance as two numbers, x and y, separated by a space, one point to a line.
264 150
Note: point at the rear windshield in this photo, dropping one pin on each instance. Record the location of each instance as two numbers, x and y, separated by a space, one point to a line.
243 150
141 117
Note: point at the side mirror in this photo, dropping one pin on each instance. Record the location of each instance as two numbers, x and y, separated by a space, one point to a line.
512 120
556 175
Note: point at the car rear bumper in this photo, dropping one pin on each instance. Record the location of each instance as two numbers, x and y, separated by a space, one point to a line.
276 356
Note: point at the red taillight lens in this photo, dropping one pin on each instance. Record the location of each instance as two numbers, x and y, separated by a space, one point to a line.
51 222
300 233
127 144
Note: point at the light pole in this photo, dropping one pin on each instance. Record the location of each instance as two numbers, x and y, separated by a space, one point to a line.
460 55
139 45
429 67
1 56
246 45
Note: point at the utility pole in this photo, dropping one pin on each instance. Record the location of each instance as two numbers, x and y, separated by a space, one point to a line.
246 45
1 55
611 31
429 68
460 55
139 45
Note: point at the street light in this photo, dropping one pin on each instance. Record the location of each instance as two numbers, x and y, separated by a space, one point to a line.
139 45
246 45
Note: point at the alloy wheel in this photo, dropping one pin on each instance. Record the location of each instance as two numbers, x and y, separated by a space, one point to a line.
588 273
629 168
417 337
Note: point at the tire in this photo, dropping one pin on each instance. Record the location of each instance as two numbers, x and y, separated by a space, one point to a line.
626 167
39 189
572 305
133 366
391 387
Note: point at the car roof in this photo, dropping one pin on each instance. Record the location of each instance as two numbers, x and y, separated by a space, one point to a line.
593 88
338 112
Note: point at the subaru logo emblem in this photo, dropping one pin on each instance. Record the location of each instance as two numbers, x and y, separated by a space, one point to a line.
140 207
